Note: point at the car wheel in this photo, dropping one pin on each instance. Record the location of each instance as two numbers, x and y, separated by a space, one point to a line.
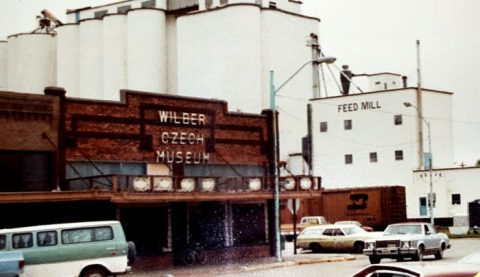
94 272
358 247
400 259
316 248
132 253
419 255
439 254
374 259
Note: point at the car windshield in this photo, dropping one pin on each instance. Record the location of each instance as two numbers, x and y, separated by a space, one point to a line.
403 229
348 223
311 232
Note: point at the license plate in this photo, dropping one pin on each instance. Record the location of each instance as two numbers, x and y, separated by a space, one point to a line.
392 245
389 250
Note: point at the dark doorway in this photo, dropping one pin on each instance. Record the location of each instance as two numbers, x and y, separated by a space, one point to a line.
248 224
474 213
26 171
147 227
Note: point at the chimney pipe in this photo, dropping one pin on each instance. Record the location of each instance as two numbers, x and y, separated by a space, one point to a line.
404 79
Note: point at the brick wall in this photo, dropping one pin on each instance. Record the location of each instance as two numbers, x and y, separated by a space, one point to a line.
131 130
29 122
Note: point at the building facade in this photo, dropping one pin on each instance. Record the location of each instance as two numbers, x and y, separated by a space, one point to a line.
174 170
391 137
455 190
371 139
213 49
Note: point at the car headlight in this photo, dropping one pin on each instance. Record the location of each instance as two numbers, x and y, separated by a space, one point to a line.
370 245
405 244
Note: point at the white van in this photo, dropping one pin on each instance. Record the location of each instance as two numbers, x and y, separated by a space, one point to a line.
84 249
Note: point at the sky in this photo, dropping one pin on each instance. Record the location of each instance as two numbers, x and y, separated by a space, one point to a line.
371 36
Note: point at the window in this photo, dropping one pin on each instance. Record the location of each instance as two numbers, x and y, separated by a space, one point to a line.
398 155
430 229
398 119
456 200
124 9
328 232
348 159
223 2
323 127
3 241
373 157
272 5
148 4
47 238
24 240
100 14
378 83
86 235
347 124
423 205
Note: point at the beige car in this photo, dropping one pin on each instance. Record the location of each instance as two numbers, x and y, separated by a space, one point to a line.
334 238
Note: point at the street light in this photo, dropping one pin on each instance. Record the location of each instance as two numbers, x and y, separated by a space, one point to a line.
430 198
273 93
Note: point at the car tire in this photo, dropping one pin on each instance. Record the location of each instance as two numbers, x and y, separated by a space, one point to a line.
439 254
374 259
188 258
94 272
132 253
400 259
419 255
358 247
316 248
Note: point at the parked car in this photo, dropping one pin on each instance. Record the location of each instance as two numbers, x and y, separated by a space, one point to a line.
289 232
11 262
407 240
354 222
349 238
466 267
84 249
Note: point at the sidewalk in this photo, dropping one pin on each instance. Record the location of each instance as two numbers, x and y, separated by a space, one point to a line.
289 259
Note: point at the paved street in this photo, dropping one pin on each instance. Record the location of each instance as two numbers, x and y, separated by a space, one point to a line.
306 264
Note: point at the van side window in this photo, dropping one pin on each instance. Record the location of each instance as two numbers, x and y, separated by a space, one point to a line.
3 242
24 240
87 235
47 238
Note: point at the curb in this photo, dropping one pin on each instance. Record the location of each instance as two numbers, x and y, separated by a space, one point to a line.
327 260
298 262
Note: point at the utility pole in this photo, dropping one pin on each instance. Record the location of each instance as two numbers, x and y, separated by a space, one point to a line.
421 162
313 43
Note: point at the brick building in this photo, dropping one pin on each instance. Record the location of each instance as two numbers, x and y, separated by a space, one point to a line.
174 170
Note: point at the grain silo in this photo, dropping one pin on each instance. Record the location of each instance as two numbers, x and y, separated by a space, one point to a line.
91 59
146 54
67 58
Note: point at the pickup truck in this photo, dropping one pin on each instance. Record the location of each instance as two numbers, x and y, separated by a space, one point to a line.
287 230
11 263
